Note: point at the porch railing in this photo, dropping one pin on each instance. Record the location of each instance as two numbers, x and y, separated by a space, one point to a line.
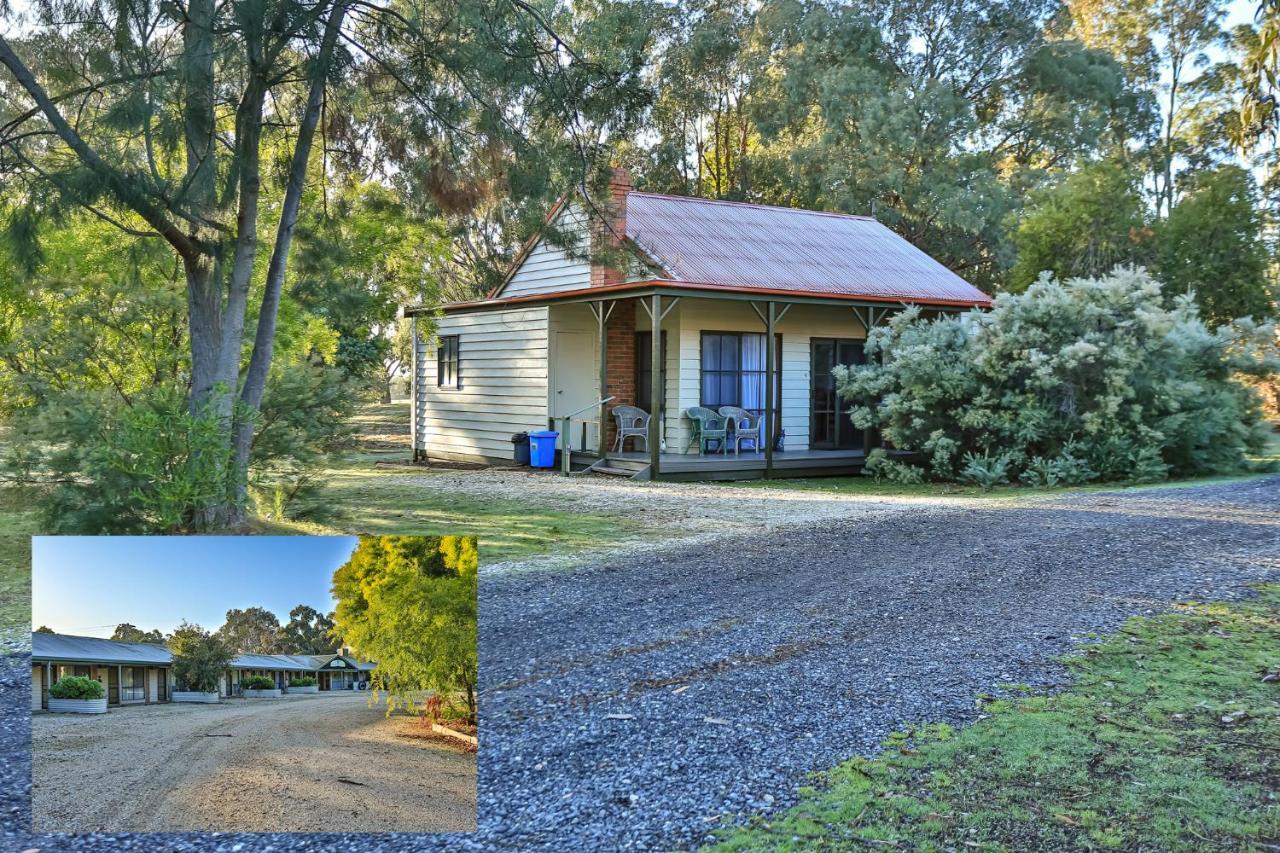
566 433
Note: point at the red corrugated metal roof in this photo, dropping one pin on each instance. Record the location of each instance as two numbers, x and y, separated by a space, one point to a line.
730 244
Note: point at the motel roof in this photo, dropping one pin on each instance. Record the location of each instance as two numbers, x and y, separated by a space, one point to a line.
96 650
66 647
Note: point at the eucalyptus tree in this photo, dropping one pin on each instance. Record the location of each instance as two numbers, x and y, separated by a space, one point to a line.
194 122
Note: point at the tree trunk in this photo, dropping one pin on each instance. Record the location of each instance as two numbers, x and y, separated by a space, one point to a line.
255 381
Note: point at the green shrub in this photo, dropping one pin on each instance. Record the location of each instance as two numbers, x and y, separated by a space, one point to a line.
304 681
77 687
257 682
199 658
1091 379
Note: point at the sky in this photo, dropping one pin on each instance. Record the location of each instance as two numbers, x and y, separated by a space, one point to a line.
86 585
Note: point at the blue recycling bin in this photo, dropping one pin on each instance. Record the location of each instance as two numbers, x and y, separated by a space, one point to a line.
542 448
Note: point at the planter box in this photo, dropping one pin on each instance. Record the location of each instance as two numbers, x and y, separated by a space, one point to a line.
192 696
262 694
78 706
315 688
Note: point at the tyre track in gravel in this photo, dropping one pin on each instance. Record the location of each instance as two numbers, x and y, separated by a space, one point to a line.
644 703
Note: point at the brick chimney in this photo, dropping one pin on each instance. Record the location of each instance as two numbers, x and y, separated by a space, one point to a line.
605 238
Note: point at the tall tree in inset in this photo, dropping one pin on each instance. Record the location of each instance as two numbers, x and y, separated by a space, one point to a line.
253 630
309 632
409 603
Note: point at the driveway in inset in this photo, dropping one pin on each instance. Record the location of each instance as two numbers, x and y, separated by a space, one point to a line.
649 702
321 763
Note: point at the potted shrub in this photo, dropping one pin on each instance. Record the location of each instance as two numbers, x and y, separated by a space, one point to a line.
304 684
199 659
77 694
258 687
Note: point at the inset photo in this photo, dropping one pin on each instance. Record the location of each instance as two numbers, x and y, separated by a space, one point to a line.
254 684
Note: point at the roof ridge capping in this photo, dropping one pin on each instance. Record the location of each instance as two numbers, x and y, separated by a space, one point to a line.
753 204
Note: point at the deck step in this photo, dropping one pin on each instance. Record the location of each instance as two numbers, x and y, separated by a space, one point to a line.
615 472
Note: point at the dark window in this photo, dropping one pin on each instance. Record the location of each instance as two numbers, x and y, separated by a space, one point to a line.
447 362
733 370
644 370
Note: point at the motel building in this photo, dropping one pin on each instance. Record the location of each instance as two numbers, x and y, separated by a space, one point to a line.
142 673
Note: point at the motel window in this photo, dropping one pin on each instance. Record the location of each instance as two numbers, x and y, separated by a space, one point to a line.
733 370
447 362
644 370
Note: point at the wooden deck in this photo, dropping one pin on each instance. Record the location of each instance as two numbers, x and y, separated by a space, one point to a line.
744 466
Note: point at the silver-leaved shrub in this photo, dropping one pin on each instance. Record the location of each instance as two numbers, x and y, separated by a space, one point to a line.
1102 379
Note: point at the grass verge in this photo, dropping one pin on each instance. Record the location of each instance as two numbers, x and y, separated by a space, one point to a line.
18 523
368 493
1168 739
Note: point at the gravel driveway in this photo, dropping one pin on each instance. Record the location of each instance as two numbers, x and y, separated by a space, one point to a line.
648 703
736 668
293 764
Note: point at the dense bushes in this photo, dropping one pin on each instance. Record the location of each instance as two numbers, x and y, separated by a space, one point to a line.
1091 379
257 682
199 658
77 687
304 681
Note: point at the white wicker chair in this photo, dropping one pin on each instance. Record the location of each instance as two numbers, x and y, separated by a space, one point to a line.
632 423
746 427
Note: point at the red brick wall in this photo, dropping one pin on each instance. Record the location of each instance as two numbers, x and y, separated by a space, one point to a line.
611 238
620 361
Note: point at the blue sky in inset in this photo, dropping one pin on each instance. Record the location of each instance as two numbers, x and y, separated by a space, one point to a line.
87 585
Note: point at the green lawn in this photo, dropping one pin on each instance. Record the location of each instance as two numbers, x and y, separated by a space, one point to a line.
866 486
366 497
17 524
369 499
1168 740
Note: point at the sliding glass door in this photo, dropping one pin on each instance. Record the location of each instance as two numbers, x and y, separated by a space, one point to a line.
829 424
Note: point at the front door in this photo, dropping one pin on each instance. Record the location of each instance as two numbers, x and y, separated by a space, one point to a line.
573 386
829 424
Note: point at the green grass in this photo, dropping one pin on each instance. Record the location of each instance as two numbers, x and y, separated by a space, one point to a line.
370 498
868 487
18 522
1168 739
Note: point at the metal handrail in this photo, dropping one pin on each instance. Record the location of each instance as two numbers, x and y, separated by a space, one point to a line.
567 433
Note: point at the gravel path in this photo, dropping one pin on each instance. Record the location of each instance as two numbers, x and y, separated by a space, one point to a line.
691 513
735 669
646 705
293 764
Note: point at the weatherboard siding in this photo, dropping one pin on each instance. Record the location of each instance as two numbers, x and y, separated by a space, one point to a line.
548 268
503 385
798 327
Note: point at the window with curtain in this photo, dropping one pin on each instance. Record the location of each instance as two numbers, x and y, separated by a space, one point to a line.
447 362
733 370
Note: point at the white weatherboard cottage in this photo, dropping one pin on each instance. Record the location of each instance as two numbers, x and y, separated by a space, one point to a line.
712 282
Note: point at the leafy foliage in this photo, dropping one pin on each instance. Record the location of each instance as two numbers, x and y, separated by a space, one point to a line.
302 681
409 603
1182 703
121 469
126 633
253 630
77 687
257 682
1091 379
309 632
199 658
